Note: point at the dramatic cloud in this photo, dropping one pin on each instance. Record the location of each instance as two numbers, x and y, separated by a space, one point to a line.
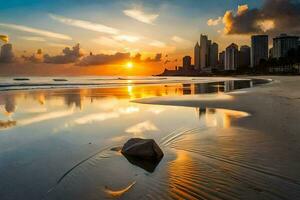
103 59
36 58
69 56
4 38
157 58
141 16
117 58
85 24
37 31
274 17
214 22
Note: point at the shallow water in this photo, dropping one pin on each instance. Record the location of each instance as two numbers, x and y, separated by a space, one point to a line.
56 144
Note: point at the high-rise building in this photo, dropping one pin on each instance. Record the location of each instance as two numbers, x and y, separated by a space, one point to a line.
259 49
203 51
186 62
197 56
213 54
6 54
244 56
283 43
222 59
231 57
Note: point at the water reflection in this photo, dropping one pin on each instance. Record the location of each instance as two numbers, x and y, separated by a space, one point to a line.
56 129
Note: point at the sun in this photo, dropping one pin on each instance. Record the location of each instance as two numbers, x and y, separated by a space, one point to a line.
129 65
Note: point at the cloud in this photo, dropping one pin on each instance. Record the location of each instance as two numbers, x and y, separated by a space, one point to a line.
156 43
36 58
127 38
178 39
214 22
103 59
138 58
85 24
274 17
41 32
4 38
30 38
69 56
141 16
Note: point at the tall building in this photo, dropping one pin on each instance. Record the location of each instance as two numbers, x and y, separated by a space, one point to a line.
259 49
197 56
244 56
6 54
213 54
283 43
231 57
203 51
222 59
186 62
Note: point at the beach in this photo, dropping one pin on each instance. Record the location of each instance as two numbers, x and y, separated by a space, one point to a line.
222 139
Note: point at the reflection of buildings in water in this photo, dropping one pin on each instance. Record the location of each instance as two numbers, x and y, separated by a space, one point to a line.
228 86
186 89
9 102
201 112
7 124
219 117
204 88
73 99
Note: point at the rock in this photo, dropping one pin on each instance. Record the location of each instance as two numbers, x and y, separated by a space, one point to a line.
144 149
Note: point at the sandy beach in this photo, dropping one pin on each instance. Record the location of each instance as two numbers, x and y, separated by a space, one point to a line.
219 141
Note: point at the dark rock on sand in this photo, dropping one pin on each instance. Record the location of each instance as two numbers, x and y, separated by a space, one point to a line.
144 153
145 149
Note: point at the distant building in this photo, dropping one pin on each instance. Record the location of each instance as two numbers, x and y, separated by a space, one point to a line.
271 53
204 50
208 53
6 54
283 43
231 57
222 59
186 62
197 56
213 54
259 49
244 56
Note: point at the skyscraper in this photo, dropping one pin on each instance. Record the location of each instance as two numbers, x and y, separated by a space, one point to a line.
213 54
231 57
197 56
222 59
203 51
6 54
259 49
244 56
283 43
186 62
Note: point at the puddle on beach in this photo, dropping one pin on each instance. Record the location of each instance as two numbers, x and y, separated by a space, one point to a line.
57 144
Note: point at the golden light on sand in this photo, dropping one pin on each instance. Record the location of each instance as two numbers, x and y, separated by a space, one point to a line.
129 65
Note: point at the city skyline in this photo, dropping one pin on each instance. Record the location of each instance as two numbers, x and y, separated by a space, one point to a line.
136 33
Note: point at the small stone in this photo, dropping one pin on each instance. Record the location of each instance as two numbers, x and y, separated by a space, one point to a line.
145 149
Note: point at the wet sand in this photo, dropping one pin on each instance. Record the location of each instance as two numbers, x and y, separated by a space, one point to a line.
265 146
244 144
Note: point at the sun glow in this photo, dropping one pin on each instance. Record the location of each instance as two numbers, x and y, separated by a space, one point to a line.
129 65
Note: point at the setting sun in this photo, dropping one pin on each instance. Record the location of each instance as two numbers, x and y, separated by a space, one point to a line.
129 65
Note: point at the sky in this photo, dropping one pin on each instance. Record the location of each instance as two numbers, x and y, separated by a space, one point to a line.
129 37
